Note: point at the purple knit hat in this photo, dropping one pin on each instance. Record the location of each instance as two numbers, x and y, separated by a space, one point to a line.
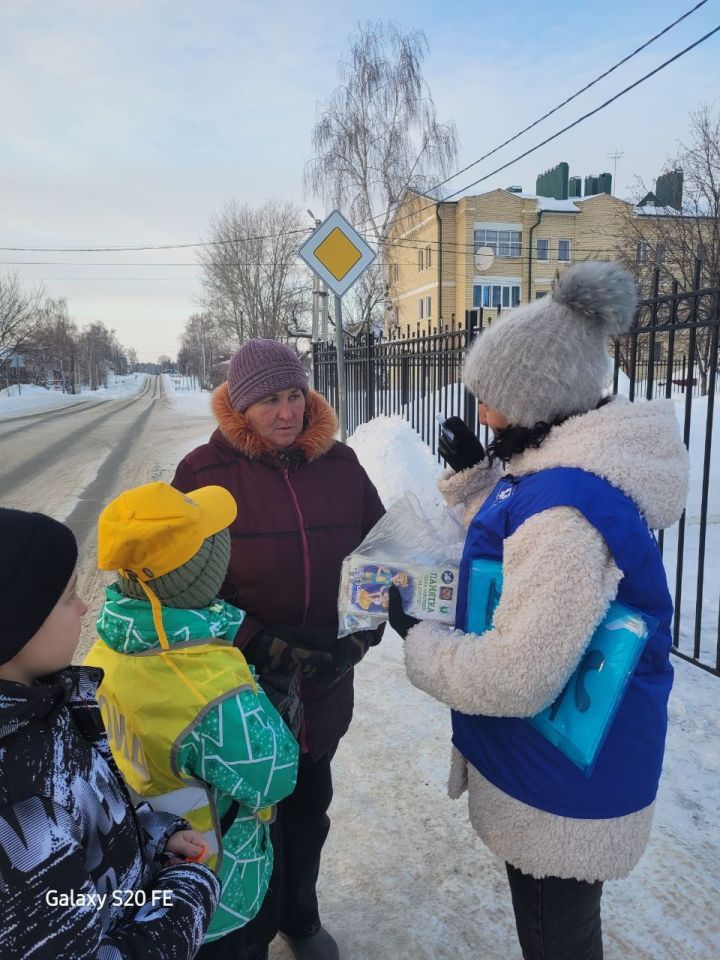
260 368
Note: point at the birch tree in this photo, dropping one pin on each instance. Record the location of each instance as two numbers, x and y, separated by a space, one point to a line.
377 137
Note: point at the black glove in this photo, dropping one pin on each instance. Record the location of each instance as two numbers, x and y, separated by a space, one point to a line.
399 620
270 653
283 692
344 652
458 445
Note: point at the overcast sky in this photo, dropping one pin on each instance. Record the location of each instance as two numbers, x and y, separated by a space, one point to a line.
125 122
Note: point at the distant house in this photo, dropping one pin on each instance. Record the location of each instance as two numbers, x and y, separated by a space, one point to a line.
493 250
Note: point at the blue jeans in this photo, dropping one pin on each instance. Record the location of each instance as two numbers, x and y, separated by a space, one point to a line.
556 919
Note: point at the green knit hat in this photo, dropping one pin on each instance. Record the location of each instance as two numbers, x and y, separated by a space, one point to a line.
195 584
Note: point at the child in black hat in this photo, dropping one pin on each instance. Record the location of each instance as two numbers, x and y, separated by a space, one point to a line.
84 874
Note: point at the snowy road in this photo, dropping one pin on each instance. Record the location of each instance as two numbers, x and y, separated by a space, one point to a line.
69 462
45 457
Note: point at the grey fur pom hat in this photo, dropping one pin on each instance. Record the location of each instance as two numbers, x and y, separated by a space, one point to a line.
549 359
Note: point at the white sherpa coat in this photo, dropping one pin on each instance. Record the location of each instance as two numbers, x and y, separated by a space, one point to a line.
558 581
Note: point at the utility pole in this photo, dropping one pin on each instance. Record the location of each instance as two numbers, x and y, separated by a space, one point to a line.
615 156
315 308
324 309
316 294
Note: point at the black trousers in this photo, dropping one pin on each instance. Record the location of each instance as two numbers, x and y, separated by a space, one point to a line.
556 919
298 834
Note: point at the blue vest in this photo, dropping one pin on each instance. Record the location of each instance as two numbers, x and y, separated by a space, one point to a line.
507 751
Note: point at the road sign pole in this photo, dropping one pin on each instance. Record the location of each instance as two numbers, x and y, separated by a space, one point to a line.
342 390
338 254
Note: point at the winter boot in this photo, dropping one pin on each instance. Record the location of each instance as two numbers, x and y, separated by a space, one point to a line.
320 946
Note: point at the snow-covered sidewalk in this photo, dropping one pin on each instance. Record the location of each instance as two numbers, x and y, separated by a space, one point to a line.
32 399
405 876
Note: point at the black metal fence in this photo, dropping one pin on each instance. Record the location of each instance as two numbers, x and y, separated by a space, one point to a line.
417 376
671 352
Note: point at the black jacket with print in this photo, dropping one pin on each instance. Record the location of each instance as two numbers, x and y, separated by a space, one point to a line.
73 850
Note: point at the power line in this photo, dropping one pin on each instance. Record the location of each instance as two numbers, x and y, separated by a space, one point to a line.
185 280
159 246
563 104
460 247
212 243
554 136
101 263
451 246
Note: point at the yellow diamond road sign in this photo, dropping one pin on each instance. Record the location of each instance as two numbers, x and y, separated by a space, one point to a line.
337 253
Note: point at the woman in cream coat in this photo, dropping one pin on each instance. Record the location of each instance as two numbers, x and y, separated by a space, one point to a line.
586 482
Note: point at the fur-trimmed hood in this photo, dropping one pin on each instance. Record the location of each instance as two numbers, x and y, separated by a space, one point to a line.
636 446
317 437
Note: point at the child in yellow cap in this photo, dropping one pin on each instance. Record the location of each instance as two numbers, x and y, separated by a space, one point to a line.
84 873
189 726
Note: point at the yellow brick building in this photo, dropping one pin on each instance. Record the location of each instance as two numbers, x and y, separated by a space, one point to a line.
494 250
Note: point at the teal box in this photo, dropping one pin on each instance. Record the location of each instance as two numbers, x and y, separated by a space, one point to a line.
484 591
582 714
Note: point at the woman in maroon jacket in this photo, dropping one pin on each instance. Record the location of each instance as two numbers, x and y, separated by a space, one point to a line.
304 503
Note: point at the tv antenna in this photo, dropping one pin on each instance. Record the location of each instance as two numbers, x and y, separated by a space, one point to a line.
614 156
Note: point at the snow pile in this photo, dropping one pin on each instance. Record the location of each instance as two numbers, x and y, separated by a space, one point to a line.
118 386
397 461
186 394
32 399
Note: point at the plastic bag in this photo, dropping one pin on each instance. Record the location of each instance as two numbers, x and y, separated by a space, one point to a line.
416 552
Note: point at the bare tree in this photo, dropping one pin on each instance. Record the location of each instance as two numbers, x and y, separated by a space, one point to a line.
378 136
202 343
20 314
365 303
254 285
674 240
56 341
97 351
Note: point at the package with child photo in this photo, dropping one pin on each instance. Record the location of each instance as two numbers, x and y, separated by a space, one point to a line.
423 568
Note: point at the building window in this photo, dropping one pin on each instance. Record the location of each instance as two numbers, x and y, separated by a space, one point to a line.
543 249
539 294
421 304
642 252
661 252
420 259
428 257
503 243
564 250
428 306
496 295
